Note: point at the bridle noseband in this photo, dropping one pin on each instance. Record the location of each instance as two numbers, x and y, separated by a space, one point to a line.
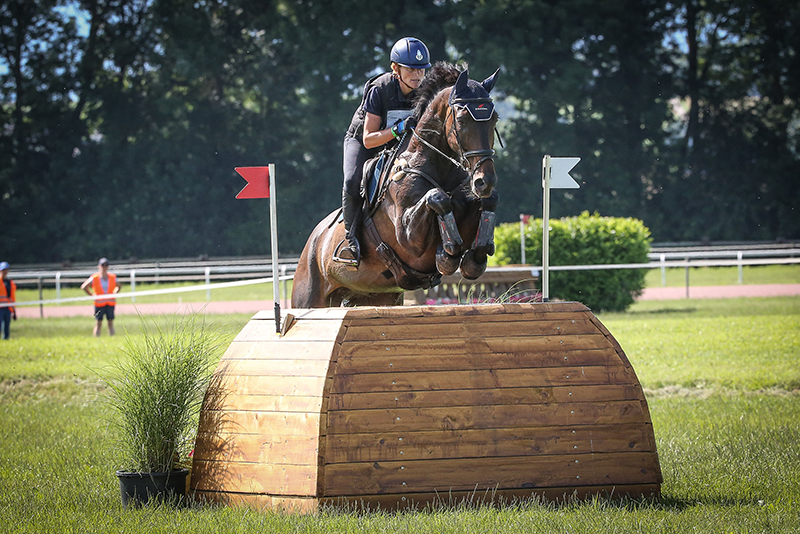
485 154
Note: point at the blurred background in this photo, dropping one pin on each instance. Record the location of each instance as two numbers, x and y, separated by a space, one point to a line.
122 120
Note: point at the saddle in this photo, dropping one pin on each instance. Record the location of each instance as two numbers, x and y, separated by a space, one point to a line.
378 173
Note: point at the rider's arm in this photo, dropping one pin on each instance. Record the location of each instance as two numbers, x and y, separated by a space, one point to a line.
373 135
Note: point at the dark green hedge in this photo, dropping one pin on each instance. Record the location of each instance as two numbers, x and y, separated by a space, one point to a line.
583 240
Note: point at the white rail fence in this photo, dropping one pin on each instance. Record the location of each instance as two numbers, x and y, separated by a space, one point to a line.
251 272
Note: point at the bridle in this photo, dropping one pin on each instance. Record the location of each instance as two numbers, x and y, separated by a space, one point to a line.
485 154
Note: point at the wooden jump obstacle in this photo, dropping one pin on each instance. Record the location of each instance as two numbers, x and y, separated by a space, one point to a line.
399 407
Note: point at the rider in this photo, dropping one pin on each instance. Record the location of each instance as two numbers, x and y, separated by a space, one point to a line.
382 117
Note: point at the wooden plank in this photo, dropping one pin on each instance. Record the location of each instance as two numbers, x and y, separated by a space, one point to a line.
281 368
264 331
269 403
530 441
374 358
472 417
488 346
286 350
470 397
240 477
273 385
497 319
486 473
259 501
422 501
304 314
261 448
461 330
464 310
260 423
482 379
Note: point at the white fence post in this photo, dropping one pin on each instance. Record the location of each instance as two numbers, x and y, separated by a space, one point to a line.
208 283
133 286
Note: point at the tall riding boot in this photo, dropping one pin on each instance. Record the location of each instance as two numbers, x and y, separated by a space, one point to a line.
350 251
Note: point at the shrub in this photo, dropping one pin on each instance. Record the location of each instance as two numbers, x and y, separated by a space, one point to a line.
583 240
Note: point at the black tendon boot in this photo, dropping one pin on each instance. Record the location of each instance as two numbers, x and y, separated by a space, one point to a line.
349 251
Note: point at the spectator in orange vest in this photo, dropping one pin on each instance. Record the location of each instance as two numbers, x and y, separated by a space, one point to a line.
102 283
8 295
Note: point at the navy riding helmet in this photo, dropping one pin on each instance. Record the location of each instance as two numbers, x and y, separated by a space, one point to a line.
412 53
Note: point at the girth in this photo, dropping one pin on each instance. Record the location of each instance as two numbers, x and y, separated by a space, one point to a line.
406 277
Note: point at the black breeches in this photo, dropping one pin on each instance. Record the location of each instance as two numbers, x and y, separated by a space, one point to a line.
355 155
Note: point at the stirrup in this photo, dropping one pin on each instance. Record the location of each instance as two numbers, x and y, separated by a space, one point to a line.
350 262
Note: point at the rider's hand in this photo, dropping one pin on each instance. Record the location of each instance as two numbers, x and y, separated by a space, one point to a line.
403 126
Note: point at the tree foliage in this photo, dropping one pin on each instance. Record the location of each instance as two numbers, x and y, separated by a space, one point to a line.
122 120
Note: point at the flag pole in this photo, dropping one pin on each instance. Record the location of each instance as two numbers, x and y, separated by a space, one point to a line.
273 228
546 229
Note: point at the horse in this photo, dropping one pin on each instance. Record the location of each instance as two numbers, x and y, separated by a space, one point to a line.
435 209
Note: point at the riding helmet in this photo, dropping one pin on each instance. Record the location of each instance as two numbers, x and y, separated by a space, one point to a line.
412 53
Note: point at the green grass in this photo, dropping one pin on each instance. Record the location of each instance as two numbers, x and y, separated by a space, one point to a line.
721 379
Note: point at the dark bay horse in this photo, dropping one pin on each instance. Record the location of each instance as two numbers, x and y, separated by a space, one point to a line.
434 212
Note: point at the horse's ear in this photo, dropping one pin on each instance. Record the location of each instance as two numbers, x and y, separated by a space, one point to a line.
460 86
488 83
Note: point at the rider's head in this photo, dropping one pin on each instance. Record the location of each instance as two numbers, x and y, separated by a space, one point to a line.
410 58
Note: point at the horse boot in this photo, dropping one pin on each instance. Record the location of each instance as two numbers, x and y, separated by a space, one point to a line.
349 250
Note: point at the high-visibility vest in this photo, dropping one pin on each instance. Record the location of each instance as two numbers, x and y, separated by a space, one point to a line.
4 293
97 286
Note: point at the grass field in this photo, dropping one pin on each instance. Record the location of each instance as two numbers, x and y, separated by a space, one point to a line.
722 380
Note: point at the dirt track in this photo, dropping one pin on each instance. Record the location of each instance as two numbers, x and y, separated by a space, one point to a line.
253 306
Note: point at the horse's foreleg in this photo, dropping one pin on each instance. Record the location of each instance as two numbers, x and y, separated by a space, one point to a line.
473 264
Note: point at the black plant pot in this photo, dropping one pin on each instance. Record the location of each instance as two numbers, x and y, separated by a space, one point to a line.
138 489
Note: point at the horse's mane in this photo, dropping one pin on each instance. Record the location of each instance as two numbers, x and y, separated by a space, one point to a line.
441 75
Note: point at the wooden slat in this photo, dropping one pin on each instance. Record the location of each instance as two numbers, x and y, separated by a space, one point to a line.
264 331
496 320
548 345
259 501
481 379
469 397
530 441
257 448
470 417
421 501
241 477
270 403
274 385
285 350
373 359
281 368
464 310
481 473
262 423
477 330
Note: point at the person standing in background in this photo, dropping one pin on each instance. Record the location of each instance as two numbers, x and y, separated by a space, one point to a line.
8 294
102 283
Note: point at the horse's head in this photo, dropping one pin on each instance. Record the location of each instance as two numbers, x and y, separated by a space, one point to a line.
470 127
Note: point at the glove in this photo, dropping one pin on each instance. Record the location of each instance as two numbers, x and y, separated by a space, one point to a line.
403 126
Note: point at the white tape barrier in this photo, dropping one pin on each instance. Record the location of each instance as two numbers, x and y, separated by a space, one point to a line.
201 287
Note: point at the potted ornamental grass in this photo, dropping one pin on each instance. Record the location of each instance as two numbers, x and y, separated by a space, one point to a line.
155 392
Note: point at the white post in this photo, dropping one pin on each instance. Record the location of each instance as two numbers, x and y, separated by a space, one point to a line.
273 226
133 285
739 258
58 285
546 229
522 238
208 284
663 271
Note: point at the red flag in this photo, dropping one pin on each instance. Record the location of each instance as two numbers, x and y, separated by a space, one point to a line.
257 182
525 218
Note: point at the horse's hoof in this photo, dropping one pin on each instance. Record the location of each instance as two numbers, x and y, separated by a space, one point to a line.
445 263
470 268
